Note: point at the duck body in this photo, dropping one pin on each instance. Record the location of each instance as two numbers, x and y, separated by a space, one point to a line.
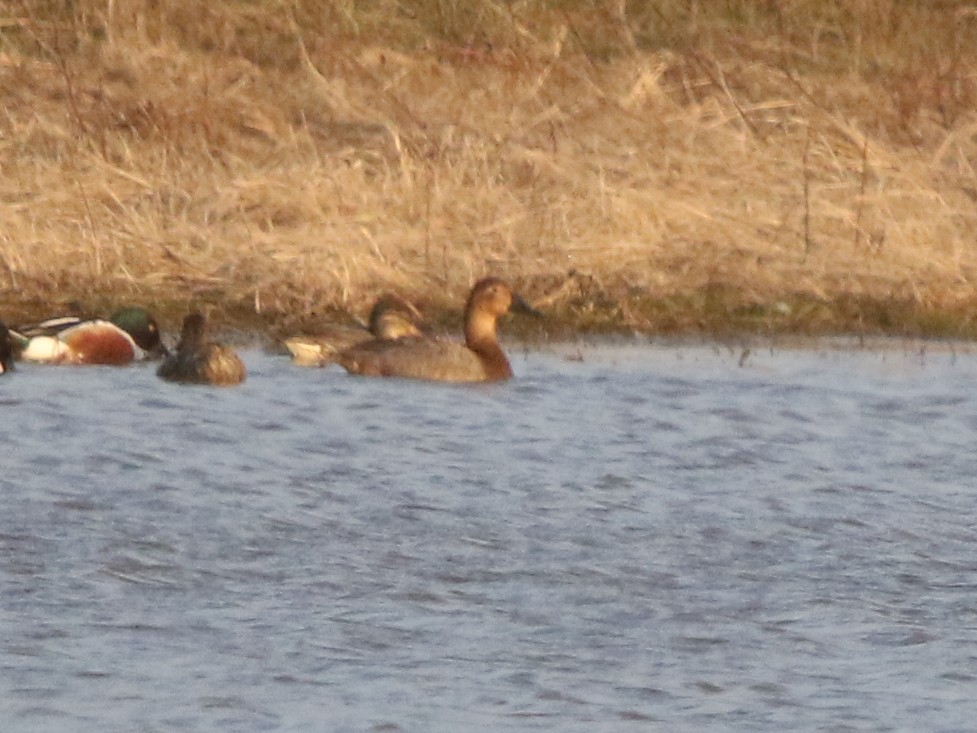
199 361
479 359
438 360
130 334
321 349
6 350
391 318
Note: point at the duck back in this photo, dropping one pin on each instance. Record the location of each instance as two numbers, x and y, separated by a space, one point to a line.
6 350
198 361
323 348
210 364
425 358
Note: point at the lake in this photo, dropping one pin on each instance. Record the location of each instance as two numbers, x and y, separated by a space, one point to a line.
654 536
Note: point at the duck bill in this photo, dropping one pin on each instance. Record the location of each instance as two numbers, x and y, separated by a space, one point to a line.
519 305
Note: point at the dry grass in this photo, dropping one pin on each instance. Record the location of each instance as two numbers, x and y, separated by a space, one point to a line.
284 160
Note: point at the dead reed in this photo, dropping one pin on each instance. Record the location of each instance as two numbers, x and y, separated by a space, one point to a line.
805 165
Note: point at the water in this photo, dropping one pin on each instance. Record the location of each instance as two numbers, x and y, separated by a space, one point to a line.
652 538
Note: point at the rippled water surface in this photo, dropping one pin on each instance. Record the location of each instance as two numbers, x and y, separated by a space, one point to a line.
650 538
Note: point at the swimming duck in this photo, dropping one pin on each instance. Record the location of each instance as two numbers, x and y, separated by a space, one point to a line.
479 359
391 318
6 350
198 361
129 334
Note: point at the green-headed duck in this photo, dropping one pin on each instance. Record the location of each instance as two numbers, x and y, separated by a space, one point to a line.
130 334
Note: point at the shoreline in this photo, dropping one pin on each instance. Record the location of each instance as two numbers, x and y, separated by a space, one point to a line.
712 314
699 173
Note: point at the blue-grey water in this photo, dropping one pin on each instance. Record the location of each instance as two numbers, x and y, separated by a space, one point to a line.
657 537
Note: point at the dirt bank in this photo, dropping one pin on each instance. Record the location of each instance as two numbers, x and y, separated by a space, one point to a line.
659 168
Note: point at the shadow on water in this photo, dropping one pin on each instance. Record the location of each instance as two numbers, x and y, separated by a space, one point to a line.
671 536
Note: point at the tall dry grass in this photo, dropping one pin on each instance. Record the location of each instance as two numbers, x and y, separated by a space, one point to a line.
292 158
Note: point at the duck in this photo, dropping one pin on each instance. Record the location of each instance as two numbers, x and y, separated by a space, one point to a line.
6 350
130 334
478 359
199 361
391 318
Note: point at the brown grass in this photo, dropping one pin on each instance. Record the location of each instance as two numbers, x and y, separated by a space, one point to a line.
694 164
